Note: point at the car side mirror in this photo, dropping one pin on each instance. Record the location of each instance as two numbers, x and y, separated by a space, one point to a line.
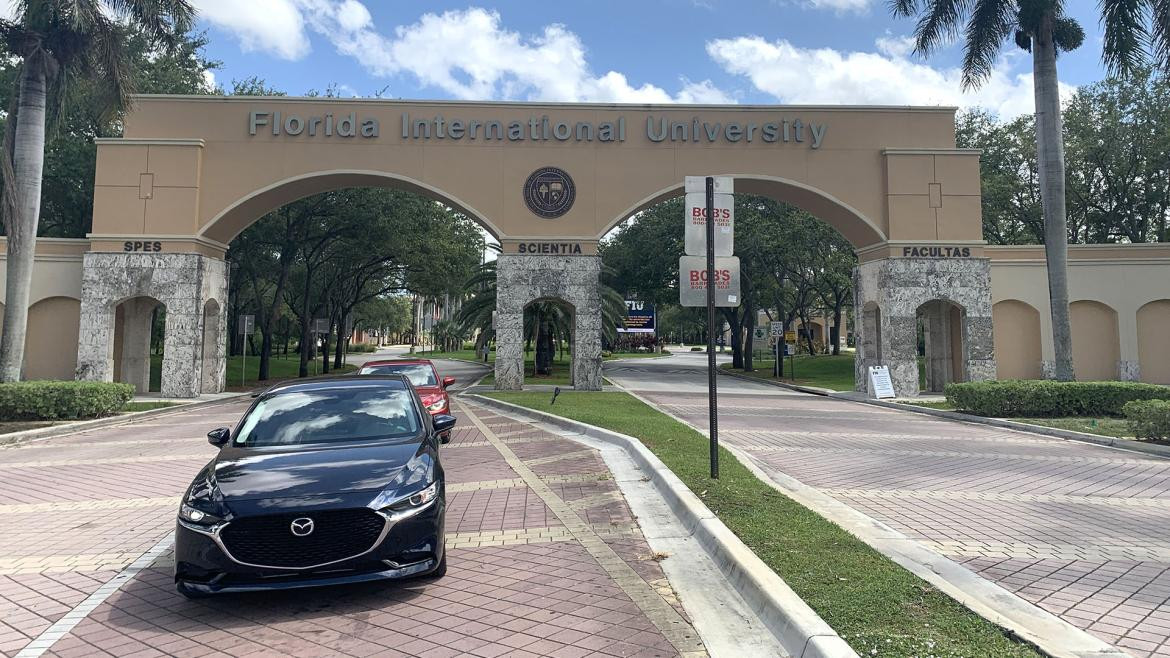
447 381
219 436
443 422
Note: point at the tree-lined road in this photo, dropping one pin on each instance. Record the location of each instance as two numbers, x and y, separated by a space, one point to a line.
1079 530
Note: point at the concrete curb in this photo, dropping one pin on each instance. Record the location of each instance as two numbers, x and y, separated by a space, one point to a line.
815 390
54 431
1068 435
798 628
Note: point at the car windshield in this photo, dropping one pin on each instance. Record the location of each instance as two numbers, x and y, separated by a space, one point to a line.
330 415
419 374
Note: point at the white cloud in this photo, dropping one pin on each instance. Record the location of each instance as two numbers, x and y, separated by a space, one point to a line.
467 54
887 77
272 26
841 6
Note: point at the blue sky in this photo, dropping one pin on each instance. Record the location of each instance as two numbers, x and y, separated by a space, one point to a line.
708 51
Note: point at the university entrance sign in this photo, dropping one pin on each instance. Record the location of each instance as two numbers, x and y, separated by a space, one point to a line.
546 180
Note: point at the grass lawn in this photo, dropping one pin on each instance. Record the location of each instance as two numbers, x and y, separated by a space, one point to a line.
559 376
873 603
1115 427
823 371
280 367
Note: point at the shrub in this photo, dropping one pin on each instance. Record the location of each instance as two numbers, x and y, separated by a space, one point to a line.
1148 419
61 400
1043 398
362 348
698 349
605 354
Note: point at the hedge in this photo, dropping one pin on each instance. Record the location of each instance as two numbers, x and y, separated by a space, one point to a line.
1148 419
61 400
1044 398
361 348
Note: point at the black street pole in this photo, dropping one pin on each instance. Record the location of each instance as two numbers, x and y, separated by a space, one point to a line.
711 393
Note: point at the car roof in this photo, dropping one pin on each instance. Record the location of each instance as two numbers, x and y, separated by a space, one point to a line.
338 382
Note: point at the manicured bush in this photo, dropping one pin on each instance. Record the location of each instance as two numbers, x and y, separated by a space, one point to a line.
1044 398
698 349
55 400
362 348
1148 419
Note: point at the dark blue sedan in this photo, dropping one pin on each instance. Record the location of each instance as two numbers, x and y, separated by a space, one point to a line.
321 482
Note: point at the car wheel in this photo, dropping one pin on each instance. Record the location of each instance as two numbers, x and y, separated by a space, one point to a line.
440 570
191 594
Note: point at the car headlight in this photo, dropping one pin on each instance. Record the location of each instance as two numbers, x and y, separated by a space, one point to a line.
408 506
197 516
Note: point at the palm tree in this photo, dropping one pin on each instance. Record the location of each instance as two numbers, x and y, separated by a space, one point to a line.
58 41
1042 28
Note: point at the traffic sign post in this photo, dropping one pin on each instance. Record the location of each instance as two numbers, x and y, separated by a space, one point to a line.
714 279
246 324
776 329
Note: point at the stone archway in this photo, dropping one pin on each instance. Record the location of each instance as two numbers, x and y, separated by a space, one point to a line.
523 279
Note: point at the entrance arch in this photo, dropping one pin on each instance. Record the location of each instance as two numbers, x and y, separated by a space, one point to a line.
191 172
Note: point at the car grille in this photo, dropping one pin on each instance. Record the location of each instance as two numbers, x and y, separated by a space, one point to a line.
269 541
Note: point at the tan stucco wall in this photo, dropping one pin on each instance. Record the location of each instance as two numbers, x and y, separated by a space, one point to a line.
189 166
1153 328
50 350
1122 277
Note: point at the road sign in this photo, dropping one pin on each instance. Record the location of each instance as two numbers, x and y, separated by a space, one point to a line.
759 333
698 184
321 325
695 235
777 329
790 336
692 288
880 385
246 324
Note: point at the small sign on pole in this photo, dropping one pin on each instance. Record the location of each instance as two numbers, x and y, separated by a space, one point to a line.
776 330
880 384
321 326
246 324
692 285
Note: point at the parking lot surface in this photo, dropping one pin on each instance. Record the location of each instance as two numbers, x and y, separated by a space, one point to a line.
545 558
1079 530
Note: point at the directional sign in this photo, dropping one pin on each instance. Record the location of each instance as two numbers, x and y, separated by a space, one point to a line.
692 285
246 324
696 224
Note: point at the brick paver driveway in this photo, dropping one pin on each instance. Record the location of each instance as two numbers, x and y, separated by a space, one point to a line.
1080 530
545 557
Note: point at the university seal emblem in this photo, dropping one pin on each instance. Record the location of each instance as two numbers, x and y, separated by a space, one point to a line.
549 192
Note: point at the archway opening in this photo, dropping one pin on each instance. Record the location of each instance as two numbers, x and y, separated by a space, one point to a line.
310 277
212 367
549 325
796 271
140 343
942 344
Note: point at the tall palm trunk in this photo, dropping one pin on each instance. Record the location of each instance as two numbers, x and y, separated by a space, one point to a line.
28 158
1050 155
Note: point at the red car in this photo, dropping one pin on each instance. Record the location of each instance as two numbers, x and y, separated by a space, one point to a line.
424 377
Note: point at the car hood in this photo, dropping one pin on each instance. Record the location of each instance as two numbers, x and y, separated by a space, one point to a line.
428 390
243 474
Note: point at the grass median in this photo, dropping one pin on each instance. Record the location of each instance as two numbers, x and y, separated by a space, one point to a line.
878 607
823 371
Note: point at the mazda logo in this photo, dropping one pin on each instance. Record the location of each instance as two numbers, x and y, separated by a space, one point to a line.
302 527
